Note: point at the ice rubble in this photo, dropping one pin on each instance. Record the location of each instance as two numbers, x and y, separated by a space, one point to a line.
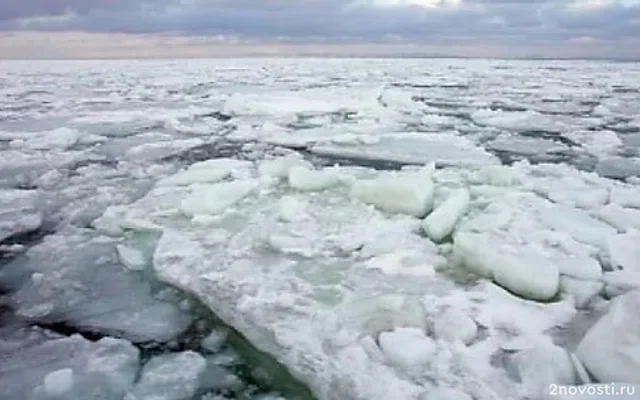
169 377
56 139
407 194
611 348
441 222
19 212
287 243
74 277
40 365
306 276
411 148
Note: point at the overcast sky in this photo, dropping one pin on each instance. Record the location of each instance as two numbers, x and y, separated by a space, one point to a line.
154 28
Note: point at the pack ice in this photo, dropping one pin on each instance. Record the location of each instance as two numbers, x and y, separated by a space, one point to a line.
76 277
40 365
19 212
407 284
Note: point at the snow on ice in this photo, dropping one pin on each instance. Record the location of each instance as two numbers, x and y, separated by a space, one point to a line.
368 236
38 364
260 279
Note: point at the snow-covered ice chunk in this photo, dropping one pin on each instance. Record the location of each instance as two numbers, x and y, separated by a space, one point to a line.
312 101
215 198
581 373
441 222
306 179
544 364
522 319
151 151
577 223
170 377
410 194
620 281
406 263
132 258
496 175
376 314
209 171
622 218
473 251
600 143
580 267
291 209
411 148
18 212
115 220
618 167
582 291
515 120
313 340
624 251
214 340
610 350
528 275
290 244
279 167
77 279
56 139
218 378
39 364
522 270
406 347
59 382
454 324
527 146
626 196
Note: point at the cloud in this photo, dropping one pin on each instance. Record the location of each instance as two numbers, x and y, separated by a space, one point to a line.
426 22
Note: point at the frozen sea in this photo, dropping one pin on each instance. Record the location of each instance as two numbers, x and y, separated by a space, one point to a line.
262 229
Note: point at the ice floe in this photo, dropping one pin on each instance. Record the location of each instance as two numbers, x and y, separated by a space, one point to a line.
469 281
19 212
38 364
169 377
610 350
301 311
76 279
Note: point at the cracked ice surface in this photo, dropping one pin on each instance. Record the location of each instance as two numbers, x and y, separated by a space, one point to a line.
75 278
329 290
38 364
471 281
19 212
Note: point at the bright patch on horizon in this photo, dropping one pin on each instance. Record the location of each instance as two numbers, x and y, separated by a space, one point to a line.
405 3
594 5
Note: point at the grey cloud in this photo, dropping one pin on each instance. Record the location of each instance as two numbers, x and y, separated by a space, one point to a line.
14 9
506 20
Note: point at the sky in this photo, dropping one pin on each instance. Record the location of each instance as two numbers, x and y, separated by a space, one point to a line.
220 28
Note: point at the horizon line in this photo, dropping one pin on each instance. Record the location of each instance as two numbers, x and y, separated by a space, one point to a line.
327 56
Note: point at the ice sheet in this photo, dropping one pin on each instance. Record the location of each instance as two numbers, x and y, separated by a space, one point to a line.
60 139
86 136
611 349
442 148
315 281
76 279
170 377
19 212
38 364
